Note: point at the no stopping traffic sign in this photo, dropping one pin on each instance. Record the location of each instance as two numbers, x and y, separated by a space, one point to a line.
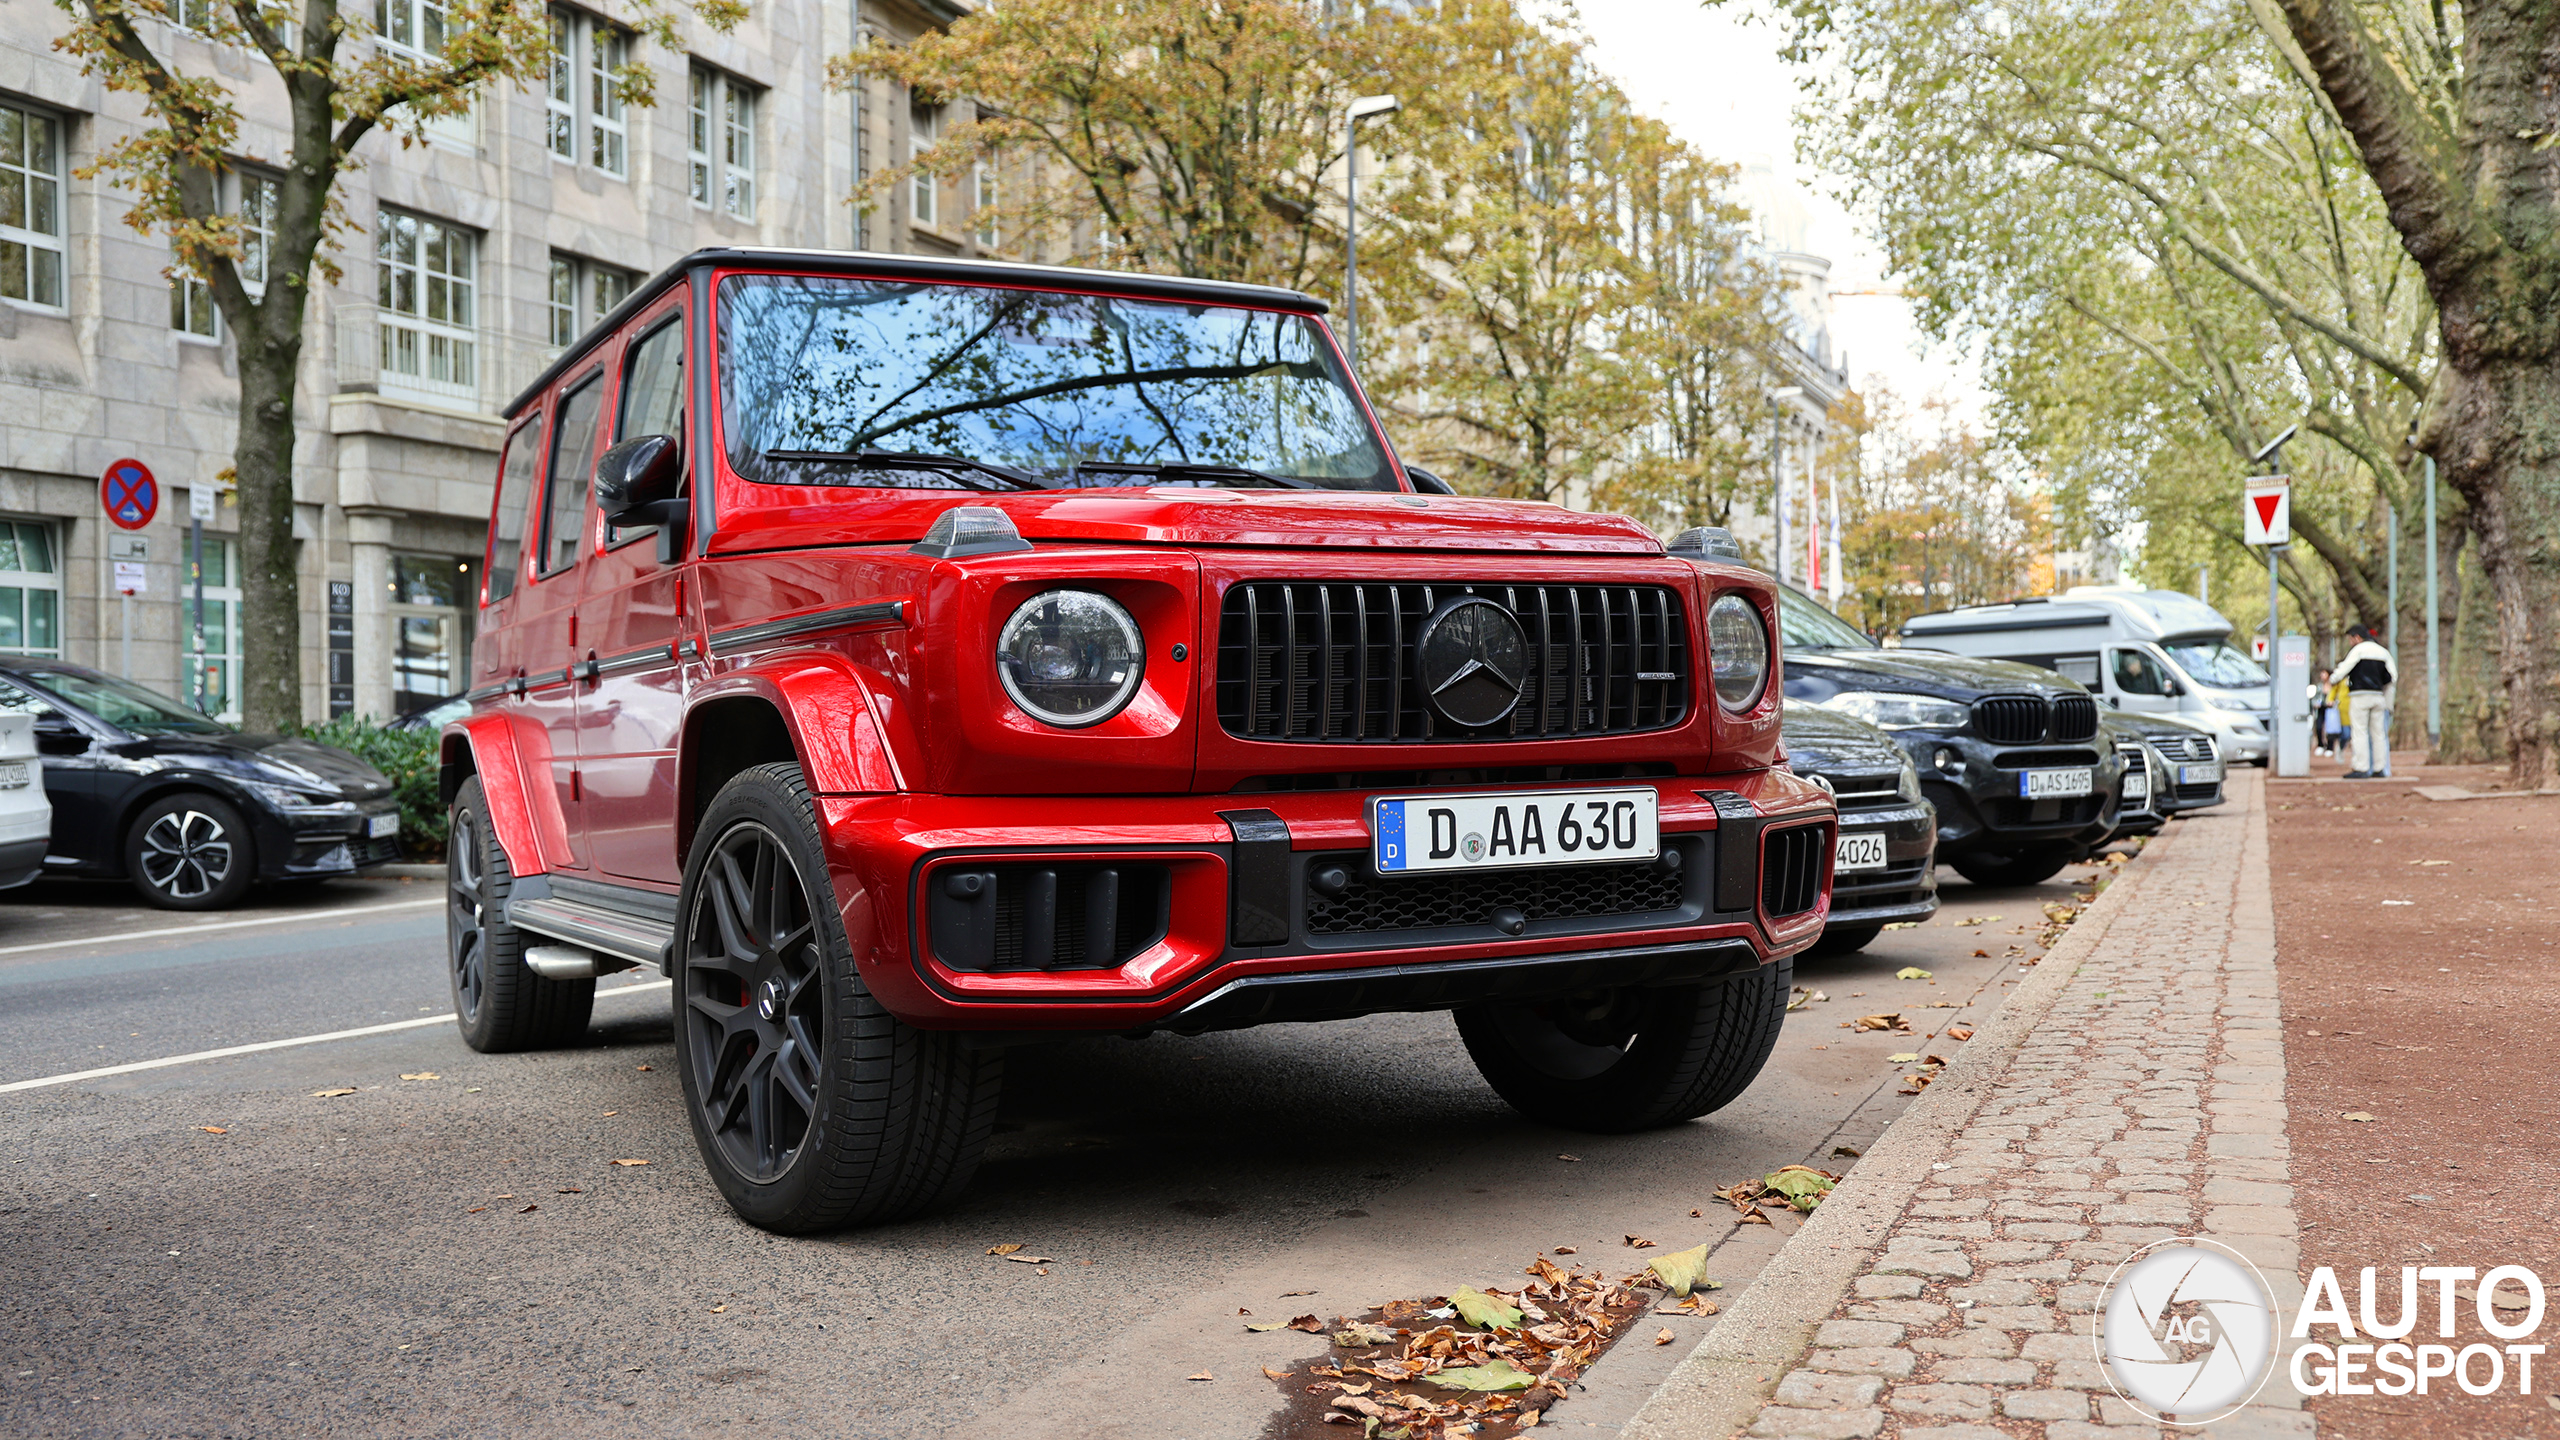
129 495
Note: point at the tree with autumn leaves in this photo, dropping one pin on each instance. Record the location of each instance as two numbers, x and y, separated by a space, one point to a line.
315 75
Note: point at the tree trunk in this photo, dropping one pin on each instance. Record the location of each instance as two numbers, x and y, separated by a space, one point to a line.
2500 448
262 461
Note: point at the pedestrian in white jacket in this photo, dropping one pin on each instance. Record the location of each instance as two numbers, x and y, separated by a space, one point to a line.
2371 675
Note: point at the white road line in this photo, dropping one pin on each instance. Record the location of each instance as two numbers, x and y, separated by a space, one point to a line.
218 925
100 1074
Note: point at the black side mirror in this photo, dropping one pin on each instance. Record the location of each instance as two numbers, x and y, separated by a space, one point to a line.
56 735
1428 483
638 484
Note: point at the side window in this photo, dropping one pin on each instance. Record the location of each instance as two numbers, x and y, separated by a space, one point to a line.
573 468
2139 674
652 397
515 497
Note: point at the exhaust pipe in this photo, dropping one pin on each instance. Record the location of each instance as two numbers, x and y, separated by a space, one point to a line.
570 962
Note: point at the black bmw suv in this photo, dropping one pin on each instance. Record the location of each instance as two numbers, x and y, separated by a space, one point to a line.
2010 755
193 812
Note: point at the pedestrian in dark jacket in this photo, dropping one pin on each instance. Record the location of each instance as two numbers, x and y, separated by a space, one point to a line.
2371 675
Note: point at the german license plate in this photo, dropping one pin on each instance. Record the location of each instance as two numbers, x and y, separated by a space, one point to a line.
2137 784
1411 833
13 775
2204 774
2052 784
377 827
1859 851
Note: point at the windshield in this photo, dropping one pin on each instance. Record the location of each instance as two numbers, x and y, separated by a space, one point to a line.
1038 382
124 704
2217 664
1807 626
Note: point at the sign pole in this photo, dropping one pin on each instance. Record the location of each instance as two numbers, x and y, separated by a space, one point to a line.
2435 685
2277 708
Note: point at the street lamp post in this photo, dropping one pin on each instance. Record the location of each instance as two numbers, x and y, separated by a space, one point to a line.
1361 109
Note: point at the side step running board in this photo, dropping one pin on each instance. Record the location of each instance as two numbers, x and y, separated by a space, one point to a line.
606 928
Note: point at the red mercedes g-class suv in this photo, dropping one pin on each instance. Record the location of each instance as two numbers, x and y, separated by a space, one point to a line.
910 657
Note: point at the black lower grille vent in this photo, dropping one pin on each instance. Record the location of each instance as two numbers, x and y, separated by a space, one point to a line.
1791 863
1369 902
1018 916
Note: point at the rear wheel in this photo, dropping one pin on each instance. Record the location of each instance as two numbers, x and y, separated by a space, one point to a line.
190 852
1845 939
1984 869
813 1106
498 1002
1620 1060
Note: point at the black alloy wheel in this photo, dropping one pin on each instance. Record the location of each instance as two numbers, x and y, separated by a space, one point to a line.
812 1105
190 852
499 1003
1630 1059
755 984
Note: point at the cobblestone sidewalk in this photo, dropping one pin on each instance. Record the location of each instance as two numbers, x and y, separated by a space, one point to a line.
2145 1102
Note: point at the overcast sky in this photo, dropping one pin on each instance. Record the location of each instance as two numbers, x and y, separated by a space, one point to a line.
1714 76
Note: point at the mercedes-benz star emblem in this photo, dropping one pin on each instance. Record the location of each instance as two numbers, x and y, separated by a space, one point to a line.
769 1000
1473 659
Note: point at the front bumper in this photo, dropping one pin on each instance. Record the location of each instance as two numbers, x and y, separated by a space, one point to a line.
1907 887
321 846
1248 926
1977 799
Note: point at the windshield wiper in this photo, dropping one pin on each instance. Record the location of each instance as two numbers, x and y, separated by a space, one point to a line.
957 467
1242 476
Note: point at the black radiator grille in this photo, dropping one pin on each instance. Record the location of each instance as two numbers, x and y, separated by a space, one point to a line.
1333 661
1018 916
2075 717
2010 719
1371 902
1791 866
2203 791
2187 749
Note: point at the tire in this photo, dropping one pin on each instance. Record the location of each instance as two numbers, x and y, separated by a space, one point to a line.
190 851
1983 869
1845 939
813 1106
499 1004
1626 1060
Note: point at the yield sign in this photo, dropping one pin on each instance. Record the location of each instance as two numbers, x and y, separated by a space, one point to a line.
2266 510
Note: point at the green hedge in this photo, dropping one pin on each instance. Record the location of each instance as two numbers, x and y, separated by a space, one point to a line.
409 758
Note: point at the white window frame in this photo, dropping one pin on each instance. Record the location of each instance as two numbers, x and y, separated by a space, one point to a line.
608 131
219 600
422 353
45 581
23 247
593 289
560 89
414 30
720 141
924 192
585 120
250 196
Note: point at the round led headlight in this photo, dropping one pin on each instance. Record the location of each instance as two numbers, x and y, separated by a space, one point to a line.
1738 647
1070 658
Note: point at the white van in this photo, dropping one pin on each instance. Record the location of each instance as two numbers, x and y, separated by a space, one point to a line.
2153 651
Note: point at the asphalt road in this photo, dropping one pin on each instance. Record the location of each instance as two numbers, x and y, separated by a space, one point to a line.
457 1253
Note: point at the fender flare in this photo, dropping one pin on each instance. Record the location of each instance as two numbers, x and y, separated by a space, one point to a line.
825 702
513 761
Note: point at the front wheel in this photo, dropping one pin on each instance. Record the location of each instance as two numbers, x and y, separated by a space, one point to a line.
499 1003
190 852
813 1106
2006 870
1618 1060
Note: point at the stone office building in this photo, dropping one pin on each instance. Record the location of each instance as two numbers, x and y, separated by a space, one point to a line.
479 254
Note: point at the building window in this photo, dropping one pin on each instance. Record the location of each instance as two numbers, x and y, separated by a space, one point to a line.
253 199
720 142
582 293
924 126
30 590
30 206
984 203
584 46
425 291
196 15
214 657
430 642
416 26
191 309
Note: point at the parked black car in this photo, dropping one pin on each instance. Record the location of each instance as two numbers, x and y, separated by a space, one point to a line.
1882 872
193 812
2011 756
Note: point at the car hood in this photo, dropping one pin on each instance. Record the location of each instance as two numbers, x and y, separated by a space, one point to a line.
1821 674
1171 515
342 771
2135 722
1819 739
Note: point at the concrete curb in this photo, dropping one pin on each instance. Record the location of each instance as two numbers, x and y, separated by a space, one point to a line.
1724 1382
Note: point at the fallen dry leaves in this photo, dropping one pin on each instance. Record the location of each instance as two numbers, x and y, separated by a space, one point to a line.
333 1094
213 1130
1891 1021
630 1162
423 1075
